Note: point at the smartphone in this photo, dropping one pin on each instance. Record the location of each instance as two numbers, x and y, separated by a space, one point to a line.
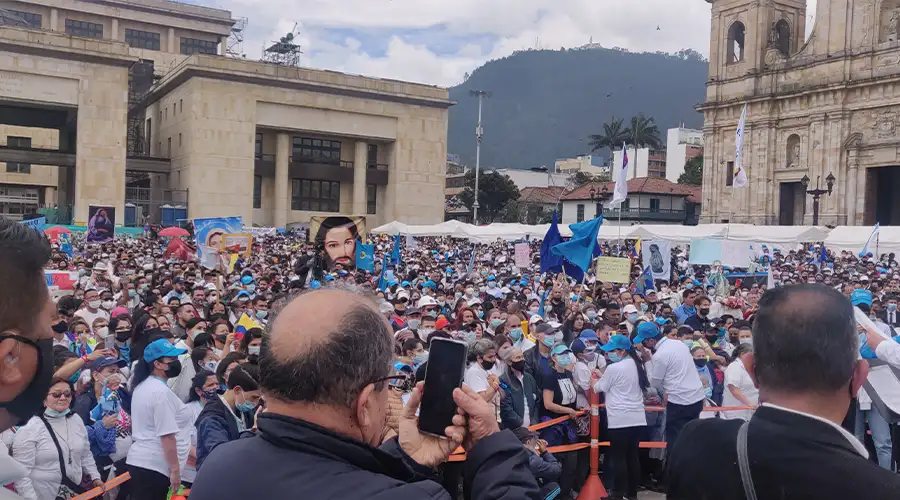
443 373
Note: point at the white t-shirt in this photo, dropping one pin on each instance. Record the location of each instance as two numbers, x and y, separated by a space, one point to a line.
526 417
189 472
477 377
736 375
624 398
155 412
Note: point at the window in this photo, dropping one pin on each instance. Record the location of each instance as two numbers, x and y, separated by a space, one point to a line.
181 105
729 173
316 150
148 132
580 214
196 46
371 198
654 204
142 39
19 143
320 196
84 28
736 42
257 191
31 20
782 35
179 139
169 147
626 205
258 147
372 156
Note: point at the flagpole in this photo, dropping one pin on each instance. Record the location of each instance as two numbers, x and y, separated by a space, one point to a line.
620 229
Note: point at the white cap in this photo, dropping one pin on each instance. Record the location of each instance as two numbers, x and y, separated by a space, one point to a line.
629 309
402 293
473 301
426 301
536 318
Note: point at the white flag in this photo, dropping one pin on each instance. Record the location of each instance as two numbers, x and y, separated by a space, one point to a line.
620 193
740 175
875 231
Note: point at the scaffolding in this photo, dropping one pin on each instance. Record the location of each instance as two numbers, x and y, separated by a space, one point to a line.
286 51
234 46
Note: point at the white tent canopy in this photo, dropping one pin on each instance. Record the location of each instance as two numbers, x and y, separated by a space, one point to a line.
853 238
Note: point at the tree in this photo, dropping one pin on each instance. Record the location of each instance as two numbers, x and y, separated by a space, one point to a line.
613 135
644 132
495 191
693 172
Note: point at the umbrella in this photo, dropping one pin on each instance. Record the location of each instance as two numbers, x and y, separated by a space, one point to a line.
56 230
173 231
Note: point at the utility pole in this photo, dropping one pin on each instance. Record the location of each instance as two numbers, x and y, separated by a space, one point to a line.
479 134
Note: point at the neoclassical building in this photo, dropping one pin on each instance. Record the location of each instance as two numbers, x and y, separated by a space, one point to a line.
825 108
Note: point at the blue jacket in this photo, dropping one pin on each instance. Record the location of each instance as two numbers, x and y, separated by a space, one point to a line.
215 425
512 411
290 458
544 467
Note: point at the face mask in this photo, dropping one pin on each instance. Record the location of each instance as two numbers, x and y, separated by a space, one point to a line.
748 341
425 332
251 288
688 343
470 292
61 327
592 315
50 412
94 304
173 369
700 362
549 340
107 304
614 357
565 359
644 307
211 365
245 406
262 314
519 366
492 285
704 311
534 309
420 359
496 322
632 317
487 365
892 307
132 294
413 324
470 337
210 394
253 350
29 402
515 334
589 356
480 314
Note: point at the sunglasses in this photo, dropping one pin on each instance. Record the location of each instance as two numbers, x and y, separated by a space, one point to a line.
59 395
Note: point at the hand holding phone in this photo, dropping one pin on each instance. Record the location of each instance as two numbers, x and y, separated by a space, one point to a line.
443 373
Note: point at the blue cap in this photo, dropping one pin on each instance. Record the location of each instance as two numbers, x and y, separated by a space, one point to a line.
661 320
449 270
161 348
492 278
329 277
524 282
861 296
577 346
242 293
617 342
560 349
588 334
315 284
404 284
646 330
429 284
246 279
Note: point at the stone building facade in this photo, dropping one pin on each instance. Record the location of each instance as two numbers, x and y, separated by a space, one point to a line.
829 105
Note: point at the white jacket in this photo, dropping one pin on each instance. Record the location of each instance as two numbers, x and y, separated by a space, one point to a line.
34 449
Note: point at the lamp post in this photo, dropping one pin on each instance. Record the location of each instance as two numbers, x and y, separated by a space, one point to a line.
479 134
597 196
818 192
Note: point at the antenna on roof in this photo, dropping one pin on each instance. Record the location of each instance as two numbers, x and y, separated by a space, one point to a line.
286 51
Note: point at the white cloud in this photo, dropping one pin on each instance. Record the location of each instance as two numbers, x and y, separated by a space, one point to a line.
510 25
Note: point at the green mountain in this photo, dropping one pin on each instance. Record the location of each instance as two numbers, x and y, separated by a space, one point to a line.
544 104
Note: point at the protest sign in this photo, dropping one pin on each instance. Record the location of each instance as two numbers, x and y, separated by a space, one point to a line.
657 255
101 224
335 237
209 234
522 255
613 269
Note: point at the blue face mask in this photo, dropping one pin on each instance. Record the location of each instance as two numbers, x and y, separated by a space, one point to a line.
614 357
496 322
549 340
245 407
515 334
565 359
50 412
480 314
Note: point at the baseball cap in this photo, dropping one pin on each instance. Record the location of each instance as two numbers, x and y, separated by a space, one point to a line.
617 342
161 348
629 309
100 363
441 323
646 330
544 328
246 279
559 349
577 346
588 334
535 319
426 301
662 320
861 296
412 310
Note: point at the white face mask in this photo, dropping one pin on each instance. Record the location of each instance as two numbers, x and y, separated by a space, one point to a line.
107 304
94 304
253 350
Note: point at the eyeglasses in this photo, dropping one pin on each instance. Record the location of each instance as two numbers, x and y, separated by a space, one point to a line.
59 395
390 378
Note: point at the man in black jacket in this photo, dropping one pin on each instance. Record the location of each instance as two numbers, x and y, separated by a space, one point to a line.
521 396
324 369
805 365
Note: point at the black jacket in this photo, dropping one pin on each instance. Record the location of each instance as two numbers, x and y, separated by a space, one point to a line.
791 456
512 410
215 425
291 459
533 360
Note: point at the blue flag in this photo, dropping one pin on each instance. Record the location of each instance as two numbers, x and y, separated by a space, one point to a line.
579 250
395 252
382 281
37 223
822 257
365 256
541 311
645 282
550 262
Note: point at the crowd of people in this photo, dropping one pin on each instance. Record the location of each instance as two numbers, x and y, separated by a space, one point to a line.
159 367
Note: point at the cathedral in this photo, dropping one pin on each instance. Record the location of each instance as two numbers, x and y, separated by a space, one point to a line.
822 114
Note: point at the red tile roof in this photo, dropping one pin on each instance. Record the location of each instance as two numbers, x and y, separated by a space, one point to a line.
543 195
645 185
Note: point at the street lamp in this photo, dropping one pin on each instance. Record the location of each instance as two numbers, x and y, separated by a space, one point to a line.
597 196
479 135
817 192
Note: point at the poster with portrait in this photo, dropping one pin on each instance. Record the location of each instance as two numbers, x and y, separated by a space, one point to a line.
657 255
209 234
335 239
240 244
101 226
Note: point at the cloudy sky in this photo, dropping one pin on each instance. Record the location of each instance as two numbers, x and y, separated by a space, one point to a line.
438 41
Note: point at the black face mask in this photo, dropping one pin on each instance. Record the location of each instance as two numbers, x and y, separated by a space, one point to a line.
712 338
487 365
123 336
30 401
704 311
700 362
61 327
173 369
519 366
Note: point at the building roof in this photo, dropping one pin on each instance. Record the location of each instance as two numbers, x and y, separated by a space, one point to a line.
542 195
644 185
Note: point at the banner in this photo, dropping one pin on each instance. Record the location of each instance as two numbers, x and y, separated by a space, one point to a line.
238 243
613 269
657 255
705 252
101 225
60 283
209 234
37 223
335 238
522 255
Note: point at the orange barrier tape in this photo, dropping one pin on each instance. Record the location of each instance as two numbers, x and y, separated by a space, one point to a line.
96 492
705 408
554 421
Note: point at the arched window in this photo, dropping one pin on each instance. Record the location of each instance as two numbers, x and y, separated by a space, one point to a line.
793 151
782 32
736 42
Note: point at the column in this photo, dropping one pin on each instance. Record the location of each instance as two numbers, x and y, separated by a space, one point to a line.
359 178
170 39
114 35
54 20
282 157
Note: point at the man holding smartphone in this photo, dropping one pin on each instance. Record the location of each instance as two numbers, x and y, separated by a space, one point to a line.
325 368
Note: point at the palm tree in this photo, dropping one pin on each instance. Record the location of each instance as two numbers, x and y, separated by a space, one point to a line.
614 134
644 132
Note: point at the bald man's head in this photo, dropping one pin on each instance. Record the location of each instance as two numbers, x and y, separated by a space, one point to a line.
324 347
